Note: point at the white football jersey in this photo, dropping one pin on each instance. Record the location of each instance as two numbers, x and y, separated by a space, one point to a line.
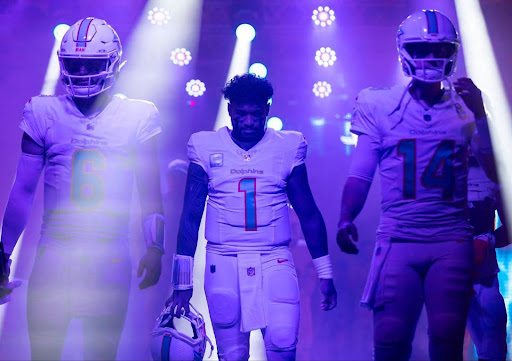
89 163
480 186
247 200
423 162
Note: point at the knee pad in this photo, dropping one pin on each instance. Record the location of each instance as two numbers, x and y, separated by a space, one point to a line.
447 327
233 353
392 330
224 307
281 338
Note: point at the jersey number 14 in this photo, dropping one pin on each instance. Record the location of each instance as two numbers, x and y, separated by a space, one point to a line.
438 173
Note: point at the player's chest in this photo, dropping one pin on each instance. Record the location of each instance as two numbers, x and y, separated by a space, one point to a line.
237 167
445 126
89 133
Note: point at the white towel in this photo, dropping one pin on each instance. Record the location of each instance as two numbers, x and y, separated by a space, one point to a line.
380 254
250 283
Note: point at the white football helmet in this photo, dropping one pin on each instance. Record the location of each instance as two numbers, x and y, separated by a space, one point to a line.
427 44
90 57
170 341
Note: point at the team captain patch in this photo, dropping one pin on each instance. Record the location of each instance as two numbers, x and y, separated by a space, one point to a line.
216 160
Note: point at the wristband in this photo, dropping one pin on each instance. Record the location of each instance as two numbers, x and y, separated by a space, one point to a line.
182 272
154 229
323 266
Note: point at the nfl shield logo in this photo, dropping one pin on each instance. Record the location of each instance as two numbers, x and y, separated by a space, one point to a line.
251 271
216 160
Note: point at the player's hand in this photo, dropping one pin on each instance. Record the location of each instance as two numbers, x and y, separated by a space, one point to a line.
329 294
152 263
7 287
481 245
346 237
471 95
180 302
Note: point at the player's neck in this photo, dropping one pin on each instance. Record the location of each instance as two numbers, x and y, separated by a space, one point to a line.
245 145
428 93
93 105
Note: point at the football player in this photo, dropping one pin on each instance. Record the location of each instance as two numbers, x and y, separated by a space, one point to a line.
249 174
487 320
419 135
90 146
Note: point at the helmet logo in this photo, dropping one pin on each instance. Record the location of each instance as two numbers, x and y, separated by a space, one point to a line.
83 29
432 22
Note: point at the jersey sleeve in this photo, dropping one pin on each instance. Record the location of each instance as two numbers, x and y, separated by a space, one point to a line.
150 125
365 159
302 149
33 124
193 152
363 119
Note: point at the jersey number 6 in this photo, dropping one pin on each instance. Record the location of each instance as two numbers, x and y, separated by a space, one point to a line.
87 186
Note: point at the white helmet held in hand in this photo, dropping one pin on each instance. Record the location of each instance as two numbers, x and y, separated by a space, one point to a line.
427 44
90 57
181 338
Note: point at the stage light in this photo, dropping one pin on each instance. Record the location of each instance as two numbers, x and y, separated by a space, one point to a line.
322 89
245 32
318 122
323 16
181 56
275 123
258 69
52 75
121 95
325 56
195 88
159 16
59 31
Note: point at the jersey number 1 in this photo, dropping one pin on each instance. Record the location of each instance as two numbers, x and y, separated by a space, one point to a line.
87 186
441 162
248 186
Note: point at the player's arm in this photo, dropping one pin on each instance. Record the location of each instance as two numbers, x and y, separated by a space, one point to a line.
196 192
193 206
501 236
481 142
147 176
313 228
355 192
17 212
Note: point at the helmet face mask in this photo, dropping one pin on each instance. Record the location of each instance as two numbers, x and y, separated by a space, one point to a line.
89 57
427 44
